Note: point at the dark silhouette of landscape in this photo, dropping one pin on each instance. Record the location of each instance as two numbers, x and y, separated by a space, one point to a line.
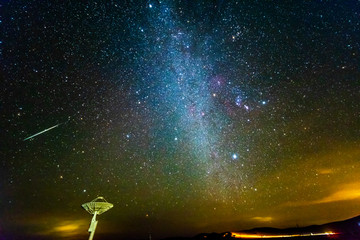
343 230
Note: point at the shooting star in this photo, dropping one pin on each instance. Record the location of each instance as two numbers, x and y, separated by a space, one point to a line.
36 134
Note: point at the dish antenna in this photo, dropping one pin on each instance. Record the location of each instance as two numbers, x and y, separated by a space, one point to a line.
96 207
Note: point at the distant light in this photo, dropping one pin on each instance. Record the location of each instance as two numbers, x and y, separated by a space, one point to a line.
262 236
234 156
238 101
150 5
263 102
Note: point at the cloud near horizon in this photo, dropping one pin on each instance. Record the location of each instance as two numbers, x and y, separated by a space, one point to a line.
263 219
344 192
57 227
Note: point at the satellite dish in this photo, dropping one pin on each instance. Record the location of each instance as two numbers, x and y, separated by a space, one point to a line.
96 207
99 205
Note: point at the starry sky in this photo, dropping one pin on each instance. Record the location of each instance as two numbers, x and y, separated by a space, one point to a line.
188 116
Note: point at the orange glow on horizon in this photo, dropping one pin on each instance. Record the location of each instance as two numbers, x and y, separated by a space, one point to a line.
67 228
263 219
247 235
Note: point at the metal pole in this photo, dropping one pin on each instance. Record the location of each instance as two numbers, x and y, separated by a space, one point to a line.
93 226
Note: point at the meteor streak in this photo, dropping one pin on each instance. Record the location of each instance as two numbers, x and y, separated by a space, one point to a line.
48 129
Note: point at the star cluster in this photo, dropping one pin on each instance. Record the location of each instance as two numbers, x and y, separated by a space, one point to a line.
188 116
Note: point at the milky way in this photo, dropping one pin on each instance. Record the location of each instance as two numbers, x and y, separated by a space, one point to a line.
188 116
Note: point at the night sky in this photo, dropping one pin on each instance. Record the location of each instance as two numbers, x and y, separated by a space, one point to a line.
188 116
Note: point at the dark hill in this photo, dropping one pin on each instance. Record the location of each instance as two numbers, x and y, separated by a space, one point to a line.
345 230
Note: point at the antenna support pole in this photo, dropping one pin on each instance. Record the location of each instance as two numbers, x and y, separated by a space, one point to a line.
96 207
93 226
